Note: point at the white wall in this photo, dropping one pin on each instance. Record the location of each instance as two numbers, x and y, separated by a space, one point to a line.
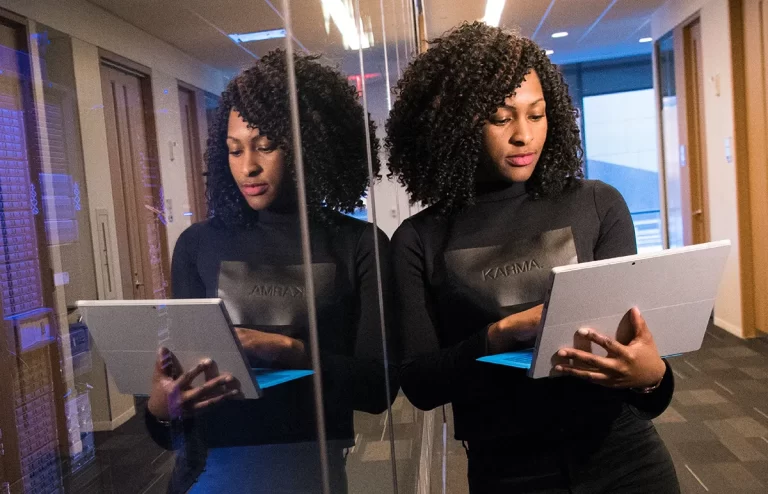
719 126
91 28
83 20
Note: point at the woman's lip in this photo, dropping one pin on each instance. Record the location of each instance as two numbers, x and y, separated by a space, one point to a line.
254 189
521 159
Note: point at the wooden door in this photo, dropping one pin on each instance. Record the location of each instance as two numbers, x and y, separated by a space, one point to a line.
136 184
751 68
699 220
190 130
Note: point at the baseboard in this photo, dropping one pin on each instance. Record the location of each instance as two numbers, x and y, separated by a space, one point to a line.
731 328
106 425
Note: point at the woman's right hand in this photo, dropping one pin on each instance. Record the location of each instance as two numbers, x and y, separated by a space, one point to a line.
515 331
173 395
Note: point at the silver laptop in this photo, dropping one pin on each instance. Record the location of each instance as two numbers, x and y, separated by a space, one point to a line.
674 289
128 333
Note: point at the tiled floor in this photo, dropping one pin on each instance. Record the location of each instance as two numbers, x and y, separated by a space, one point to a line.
717 425
716 430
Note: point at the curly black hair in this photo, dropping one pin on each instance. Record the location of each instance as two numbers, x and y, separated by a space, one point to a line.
434 132
332 136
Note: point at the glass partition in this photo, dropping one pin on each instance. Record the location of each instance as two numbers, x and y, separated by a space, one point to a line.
199 151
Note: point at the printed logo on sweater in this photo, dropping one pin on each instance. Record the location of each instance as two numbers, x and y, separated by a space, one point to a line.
259 295
510 274
277 291
510 269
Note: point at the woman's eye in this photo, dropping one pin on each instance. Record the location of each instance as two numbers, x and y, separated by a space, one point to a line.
267 149
500 121
236 153
536 118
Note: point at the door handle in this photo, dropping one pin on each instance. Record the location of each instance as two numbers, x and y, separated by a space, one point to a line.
697 212
137 283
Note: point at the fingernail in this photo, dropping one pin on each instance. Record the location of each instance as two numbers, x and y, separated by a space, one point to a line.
207 362
234 392
583 331
562 353
559 368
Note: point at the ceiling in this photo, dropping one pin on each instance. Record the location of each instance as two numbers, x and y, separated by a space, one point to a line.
200 27
597 29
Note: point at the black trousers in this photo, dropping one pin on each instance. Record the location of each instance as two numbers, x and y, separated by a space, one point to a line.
627 457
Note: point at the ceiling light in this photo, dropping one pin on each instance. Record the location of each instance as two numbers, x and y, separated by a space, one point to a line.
342 14
493 10
561 34
550 52
646 40
258 36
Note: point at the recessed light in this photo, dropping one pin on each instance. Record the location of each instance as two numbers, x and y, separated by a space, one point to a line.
646 40
561 34
550 52
258 36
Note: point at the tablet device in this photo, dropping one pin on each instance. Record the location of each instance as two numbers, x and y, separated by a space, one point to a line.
128 334
674 289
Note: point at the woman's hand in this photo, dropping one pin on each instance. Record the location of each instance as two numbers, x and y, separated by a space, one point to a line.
172 393
272 350
635 365
515 331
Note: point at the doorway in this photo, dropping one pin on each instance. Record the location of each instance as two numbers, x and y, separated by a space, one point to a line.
190 131
136 183
697 226
682 107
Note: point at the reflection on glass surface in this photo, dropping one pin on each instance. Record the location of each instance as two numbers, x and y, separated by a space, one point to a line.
47 421
249 254
104 119
620 142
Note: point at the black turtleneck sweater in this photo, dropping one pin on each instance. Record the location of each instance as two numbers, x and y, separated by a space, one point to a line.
453 280
258 272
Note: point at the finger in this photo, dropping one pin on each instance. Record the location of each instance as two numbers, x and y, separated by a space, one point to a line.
584 359
591 376
221 384
162 361
231 395
169 365
186 378
611 346
242 332
212 371
638 323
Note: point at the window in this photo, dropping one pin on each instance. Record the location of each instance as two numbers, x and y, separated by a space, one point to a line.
621 150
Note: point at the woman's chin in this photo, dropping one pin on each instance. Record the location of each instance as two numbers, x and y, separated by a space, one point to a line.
259 203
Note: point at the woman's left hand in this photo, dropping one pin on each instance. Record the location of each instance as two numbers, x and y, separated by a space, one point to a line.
272 350
635 365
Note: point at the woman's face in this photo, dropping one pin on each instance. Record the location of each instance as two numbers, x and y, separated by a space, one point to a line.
515 134
256 163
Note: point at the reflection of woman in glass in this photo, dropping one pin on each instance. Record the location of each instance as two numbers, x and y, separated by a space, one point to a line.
249 254
485 133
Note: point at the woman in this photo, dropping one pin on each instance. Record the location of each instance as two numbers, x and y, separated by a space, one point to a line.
485 134
249 254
